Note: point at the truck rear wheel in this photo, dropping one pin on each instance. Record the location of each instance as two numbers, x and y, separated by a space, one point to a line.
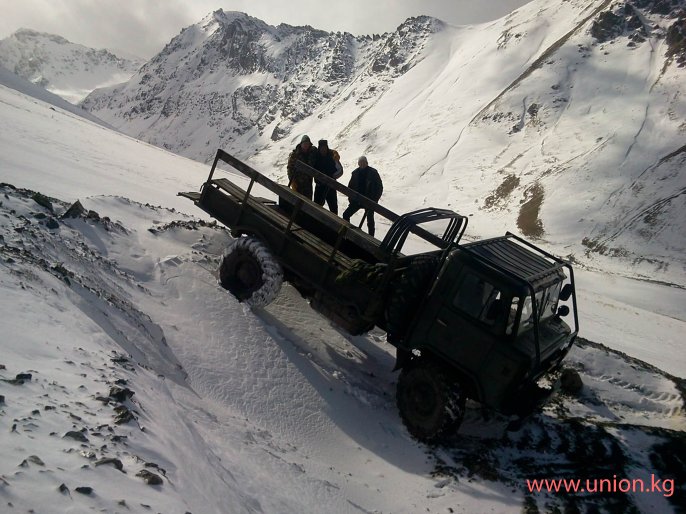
431 404
250 272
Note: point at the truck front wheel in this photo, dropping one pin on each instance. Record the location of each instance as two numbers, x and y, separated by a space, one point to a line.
250 272
431 404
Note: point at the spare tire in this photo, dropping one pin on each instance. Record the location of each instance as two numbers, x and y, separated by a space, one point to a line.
250 272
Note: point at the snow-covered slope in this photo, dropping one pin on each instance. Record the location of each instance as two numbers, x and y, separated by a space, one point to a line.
67 69
12 81
267 411
563 120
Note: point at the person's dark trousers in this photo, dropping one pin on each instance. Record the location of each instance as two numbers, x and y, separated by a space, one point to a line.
369 215
322 192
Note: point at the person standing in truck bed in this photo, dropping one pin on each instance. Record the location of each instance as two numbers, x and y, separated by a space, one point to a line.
325 162
366 181
301 182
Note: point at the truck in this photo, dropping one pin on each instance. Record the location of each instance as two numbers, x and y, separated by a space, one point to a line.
481 320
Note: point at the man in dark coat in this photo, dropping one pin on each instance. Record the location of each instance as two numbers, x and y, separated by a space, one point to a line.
325 163
298 181
366 181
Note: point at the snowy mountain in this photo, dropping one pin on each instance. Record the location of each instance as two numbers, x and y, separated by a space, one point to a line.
131 382
66 69
233 77
563 120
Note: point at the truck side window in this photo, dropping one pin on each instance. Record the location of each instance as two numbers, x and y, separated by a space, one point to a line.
512 316
478 299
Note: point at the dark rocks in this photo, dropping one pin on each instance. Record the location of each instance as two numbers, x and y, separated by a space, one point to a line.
160 470
120 359
52 224
120 394
43 201
124 415
34 459
77 436
114 462
149 478
570 381
84 490
24 376
676 40
2 399
63 489
607 26
75 211
13 381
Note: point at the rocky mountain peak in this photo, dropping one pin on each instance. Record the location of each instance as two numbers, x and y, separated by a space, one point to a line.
254 75
25 35
399 46
238 21
639 20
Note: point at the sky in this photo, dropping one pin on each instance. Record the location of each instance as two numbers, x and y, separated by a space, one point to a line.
143 27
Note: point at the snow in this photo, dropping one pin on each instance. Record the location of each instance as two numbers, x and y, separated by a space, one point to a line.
582 129
69 70
272 410
244 411
12 81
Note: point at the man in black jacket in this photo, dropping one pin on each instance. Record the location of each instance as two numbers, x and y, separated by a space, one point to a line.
298 181
325 163
367 182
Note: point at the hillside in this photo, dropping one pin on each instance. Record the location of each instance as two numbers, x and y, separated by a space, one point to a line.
131 382
562 121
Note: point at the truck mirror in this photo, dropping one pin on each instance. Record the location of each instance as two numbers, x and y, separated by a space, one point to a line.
563 310
566 292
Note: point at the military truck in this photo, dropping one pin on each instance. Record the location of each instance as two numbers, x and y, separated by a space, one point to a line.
481 320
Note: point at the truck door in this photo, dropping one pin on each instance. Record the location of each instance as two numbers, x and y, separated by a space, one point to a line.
469 320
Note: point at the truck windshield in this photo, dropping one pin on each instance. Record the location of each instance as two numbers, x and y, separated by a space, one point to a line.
546 301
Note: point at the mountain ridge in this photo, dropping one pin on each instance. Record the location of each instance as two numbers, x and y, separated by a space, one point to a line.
67 69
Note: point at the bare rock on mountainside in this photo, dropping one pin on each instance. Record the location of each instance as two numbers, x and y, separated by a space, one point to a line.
301 69
628 20
149 477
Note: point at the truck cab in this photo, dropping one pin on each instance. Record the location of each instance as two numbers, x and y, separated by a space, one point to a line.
491 324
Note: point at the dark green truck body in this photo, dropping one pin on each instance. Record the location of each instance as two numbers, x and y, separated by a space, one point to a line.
489 312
